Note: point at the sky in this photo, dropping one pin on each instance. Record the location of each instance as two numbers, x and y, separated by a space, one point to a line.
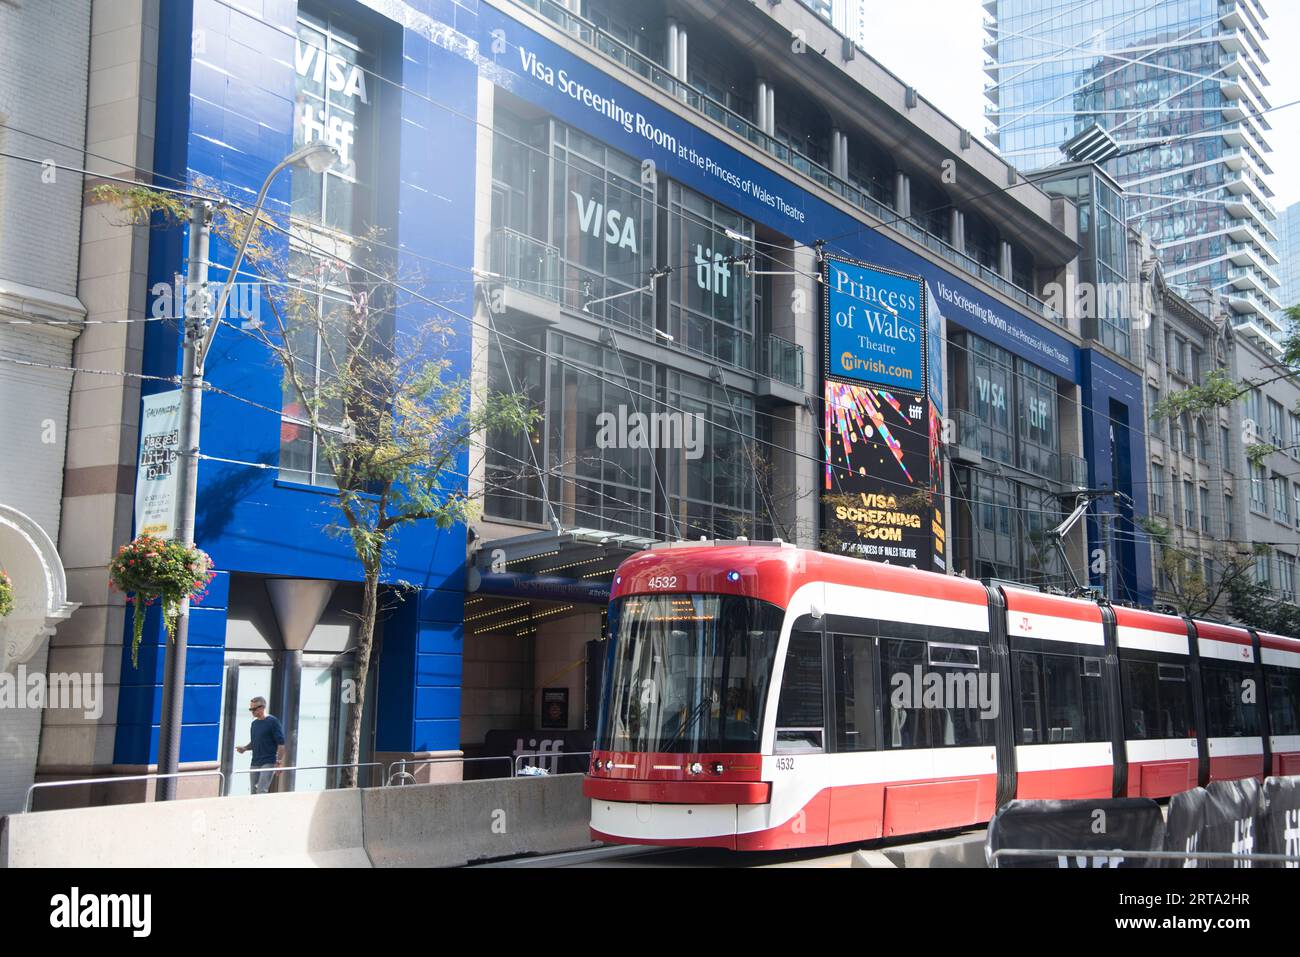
937 46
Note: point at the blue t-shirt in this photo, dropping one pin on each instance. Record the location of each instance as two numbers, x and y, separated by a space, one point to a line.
267 735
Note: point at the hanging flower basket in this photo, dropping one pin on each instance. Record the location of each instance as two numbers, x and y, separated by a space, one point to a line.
149 569
6 594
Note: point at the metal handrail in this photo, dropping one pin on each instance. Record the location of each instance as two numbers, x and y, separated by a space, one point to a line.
548 754
1151 855
403 764
307 767
27 801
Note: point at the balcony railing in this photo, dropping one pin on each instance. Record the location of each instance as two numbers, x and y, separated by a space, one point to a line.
783 361
1074 470
613 48
526 264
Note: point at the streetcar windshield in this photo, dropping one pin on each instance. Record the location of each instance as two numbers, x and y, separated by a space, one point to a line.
687 673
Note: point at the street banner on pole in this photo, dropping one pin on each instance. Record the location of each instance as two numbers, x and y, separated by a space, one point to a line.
155 478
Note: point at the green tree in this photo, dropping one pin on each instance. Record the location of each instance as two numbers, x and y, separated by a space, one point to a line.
1182 570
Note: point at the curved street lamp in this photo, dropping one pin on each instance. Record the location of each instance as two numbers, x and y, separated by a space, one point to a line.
317 157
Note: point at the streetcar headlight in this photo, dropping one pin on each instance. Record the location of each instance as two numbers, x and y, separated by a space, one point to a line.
733 576
696 768
717 768
609 765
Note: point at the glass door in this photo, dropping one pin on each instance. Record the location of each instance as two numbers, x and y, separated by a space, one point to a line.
244 681
315 701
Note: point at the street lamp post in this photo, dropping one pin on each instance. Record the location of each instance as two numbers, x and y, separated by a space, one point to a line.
199 330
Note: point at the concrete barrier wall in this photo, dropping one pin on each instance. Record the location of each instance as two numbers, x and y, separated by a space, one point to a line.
446 825
435 825
317 829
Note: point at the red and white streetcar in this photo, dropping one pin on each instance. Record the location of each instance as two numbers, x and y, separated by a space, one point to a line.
760 696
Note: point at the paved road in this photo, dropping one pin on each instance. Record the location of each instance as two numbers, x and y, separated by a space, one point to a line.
615 856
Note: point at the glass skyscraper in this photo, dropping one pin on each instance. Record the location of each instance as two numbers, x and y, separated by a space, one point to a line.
1288 247
1179 85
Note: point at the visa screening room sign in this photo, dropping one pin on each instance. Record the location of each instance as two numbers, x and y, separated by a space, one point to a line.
875 325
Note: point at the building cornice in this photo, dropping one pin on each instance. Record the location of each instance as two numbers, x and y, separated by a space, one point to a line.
56 313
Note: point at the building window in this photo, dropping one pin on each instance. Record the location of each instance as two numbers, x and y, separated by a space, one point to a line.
1202 441
1185 434
1281 501
1039 435
520 171
1177 358
1189 505
1263 574
711 308
597 478
1258 489
712 494
982 242
989 394
1157 488
317 342
1203 496
614 19
872 171
734 93
1225 448
1153 400
1254 408
1001 530
1295 502
514 491
1275 413
334 101
1294 450
1227 515
603 221
1286 575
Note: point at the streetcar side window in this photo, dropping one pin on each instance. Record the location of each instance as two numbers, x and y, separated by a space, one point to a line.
1060 699
1094 700
854 693
1157 701
937 696
1029 707
906 723
800 713
1230 699
1284 700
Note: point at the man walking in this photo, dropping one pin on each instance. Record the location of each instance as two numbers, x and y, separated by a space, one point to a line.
267 743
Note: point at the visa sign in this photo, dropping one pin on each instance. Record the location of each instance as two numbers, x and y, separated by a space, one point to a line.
875 325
